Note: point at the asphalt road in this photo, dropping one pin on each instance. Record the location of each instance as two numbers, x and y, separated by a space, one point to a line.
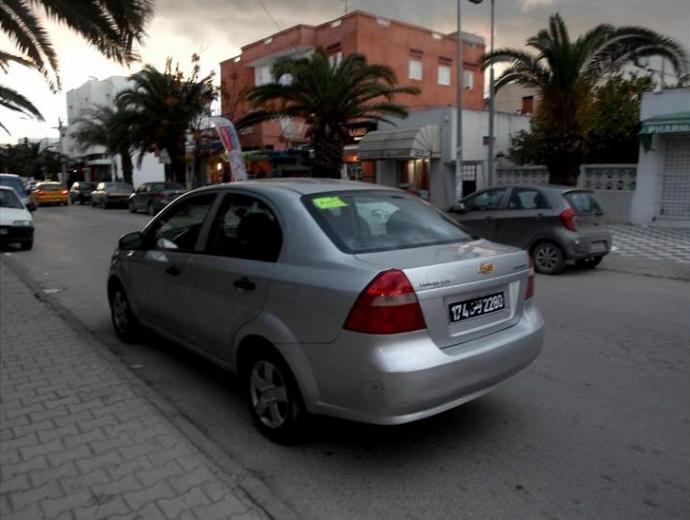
598 429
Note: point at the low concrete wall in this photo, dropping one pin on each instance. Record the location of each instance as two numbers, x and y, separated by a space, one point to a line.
616 205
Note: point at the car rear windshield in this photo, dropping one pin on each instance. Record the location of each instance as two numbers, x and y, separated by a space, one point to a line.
87 186
584 203
173 186
118 186
15 183
9 199
50 187
371 221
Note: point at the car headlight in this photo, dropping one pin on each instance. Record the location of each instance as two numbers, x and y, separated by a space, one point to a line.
22 223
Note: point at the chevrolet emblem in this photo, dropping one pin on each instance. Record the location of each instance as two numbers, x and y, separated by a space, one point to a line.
486 267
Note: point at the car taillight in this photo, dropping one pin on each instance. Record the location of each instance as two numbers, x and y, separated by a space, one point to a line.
65 192
568 218
159 195
388 305
530 280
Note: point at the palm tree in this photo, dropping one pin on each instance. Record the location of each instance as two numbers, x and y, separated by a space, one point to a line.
327 98
565 72
113 28
160 107
107 127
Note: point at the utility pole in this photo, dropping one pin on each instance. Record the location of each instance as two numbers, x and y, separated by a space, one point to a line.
457 188
492 110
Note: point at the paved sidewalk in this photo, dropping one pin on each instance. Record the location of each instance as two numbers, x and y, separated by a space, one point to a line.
79 441
652 242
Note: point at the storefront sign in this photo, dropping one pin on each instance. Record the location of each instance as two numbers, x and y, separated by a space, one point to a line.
356 131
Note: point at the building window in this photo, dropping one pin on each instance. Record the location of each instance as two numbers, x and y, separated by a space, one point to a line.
335 59
262 75
469 80
527 104
444 75
416 68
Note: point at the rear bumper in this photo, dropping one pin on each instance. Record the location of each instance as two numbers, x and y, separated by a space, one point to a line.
405 377
579 245
61 199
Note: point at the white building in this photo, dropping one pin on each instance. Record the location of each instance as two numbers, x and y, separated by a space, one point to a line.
662 193
98 164
419 152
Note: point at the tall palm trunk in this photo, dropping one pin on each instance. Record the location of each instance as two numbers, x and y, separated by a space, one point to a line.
328 156
127 166
178 165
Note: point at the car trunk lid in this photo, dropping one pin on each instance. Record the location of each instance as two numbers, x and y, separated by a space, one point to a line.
466 290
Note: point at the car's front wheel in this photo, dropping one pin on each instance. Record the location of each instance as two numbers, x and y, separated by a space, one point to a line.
548 258
26 246
274 398
125 323
132 208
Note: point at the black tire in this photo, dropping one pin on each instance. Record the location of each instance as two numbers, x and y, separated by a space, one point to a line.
274 399
26 246
104 203
548 258
93 203
132 208
590 262
125 323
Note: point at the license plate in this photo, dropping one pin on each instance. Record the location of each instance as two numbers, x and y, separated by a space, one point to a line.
598 247
476 307
3 232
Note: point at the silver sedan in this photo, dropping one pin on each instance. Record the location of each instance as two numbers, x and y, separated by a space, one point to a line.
329 297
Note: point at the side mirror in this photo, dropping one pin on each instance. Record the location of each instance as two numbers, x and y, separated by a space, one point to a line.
458 207
132 241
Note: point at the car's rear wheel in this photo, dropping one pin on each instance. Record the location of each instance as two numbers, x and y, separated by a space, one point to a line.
274 398
151 210
26 246
125 323
548 258
589 262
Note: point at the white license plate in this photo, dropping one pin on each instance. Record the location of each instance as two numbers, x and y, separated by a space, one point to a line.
4 232
598 247
476 307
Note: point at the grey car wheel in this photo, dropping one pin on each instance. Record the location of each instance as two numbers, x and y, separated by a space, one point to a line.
151 209
125 323
548 258
132 207
274 400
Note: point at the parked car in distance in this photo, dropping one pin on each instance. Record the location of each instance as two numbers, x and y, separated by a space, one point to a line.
330 297
15 182
81 192
50 193
111 194
555 224
154 196
16 222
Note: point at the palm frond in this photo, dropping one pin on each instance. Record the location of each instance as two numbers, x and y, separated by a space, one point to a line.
13 100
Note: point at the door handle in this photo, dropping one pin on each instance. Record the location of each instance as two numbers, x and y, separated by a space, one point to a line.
173 270
245 284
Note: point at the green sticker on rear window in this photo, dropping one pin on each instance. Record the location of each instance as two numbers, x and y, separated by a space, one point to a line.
329 202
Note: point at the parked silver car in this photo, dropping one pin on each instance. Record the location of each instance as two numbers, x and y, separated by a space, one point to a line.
330 297
555 224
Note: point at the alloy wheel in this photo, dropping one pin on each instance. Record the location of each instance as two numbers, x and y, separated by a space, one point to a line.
120 308
269 394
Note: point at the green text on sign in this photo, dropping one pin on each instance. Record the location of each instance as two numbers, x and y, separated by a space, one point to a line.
329 202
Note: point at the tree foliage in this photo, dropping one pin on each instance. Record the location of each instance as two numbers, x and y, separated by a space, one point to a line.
31 159
326 98
162 106
112 27
566 73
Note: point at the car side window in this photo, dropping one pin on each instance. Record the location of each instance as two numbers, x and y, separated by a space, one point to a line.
485 201
245 227
522 198
179 228
101 186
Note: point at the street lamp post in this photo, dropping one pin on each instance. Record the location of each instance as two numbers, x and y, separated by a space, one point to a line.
458 118
492 105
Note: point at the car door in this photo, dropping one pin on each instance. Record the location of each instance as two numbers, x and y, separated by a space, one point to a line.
139 196
481 211
160 279
523 217
229 282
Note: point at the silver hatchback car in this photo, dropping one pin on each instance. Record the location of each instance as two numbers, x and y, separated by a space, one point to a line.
330 297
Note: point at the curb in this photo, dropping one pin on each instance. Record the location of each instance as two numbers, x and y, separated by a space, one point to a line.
225 468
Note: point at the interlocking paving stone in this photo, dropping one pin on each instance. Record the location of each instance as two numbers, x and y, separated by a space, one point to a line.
78 442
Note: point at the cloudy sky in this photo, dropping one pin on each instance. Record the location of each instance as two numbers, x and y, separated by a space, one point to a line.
217 29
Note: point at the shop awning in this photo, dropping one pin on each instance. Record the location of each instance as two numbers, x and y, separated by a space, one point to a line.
421 142
678 123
